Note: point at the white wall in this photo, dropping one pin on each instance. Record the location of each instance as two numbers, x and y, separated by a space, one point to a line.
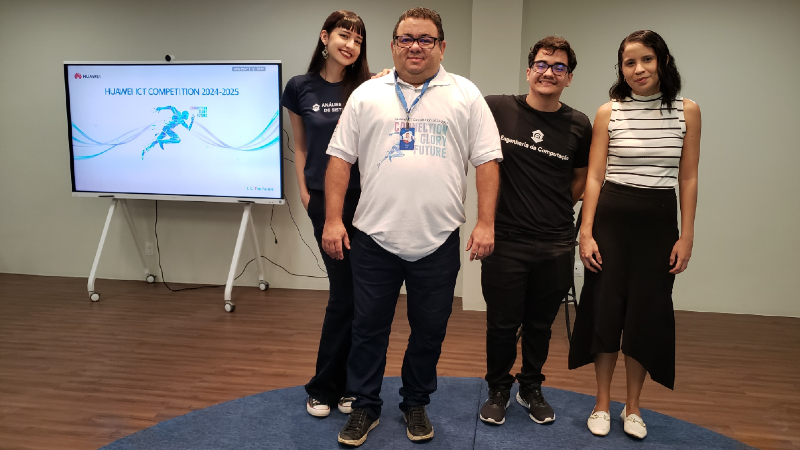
495 69
45 231
739 61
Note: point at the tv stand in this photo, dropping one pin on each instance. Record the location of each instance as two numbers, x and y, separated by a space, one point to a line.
247 219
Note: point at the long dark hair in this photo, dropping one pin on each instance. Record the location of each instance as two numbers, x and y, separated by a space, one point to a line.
355 73
668 75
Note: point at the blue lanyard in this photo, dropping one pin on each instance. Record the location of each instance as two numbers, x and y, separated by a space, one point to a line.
416 100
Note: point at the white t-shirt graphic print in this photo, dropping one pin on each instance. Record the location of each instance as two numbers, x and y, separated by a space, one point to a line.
412 200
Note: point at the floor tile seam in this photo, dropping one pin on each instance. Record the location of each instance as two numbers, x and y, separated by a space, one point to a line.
477 418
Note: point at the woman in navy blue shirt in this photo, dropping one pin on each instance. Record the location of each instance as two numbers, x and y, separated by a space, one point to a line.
315 101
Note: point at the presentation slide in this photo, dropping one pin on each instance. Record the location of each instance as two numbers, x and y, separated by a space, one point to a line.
185 129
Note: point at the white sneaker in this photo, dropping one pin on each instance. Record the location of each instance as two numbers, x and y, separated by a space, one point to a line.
599 423
317 408
346 404
634 425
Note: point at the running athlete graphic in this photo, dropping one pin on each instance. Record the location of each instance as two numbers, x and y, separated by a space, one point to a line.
178 118
394 152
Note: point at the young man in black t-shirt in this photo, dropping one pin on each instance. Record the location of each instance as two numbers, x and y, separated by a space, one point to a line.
545 144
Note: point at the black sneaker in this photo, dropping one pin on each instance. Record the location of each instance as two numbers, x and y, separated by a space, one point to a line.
316 408
530 396
346 404
494 409
419 427
357 427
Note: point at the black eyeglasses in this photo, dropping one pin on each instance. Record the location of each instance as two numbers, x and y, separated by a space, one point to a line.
426 42
558 68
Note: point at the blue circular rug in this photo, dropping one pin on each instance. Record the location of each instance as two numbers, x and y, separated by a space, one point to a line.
278 420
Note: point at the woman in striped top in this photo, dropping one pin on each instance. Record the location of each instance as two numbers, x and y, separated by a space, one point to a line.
645 142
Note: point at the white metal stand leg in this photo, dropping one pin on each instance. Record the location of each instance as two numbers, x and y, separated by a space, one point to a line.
94 296
262 283
229 306
147 276
247 219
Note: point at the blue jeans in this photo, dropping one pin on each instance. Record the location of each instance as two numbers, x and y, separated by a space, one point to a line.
377 278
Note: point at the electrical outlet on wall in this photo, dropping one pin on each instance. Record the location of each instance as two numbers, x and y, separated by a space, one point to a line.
148 248
578 270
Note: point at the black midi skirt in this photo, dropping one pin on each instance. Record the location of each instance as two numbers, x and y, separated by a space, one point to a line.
631 298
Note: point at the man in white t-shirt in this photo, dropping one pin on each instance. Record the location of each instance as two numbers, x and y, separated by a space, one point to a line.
413 134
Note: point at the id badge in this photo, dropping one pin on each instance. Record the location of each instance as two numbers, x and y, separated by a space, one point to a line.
406 139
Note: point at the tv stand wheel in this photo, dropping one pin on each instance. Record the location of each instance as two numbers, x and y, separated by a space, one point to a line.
94 296
263 285
151 279
230 307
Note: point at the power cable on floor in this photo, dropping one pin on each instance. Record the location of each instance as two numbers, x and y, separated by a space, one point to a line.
161 269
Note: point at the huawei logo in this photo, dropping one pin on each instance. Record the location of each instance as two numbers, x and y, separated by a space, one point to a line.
77 76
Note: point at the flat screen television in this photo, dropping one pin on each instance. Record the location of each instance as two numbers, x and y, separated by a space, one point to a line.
199 131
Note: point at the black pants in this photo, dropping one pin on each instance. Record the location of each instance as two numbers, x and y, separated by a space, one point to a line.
377 278
328 384
524 283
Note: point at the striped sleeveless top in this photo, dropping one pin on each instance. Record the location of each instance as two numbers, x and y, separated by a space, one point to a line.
645 142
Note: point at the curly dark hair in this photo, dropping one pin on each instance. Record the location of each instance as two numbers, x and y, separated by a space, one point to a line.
668 75
553 44
422 13
355 73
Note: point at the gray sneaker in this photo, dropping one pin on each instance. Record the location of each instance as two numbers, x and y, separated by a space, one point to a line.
494 408
530 396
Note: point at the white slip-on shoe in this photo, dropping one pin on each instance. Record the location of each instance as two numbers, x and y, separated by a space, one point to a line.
346 404
317 408
599 423
634 425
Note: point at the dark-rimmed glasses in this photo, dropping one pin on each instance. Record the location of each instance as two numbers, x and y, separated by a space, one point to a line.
558 68
426 42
